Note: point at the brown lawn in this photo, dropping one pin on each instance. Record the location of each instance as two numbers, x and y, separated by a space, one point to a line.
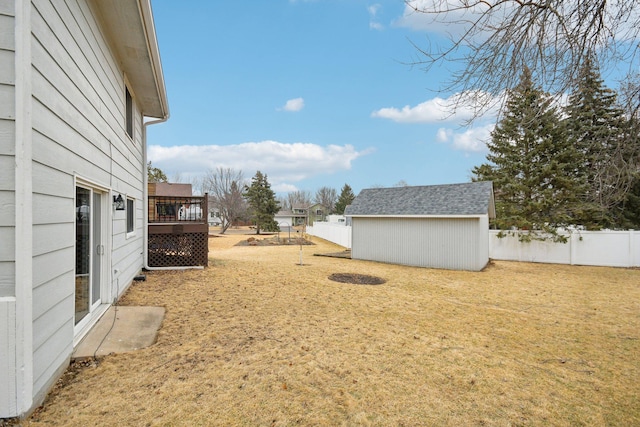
258 340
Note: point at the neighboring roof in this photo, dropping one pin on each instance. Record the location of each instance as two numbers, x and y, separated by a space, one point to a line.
169 189
129 26
467 199
286 212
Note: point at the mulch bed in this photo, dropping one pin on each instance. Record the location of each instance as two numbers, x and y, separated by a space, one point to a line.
357 279
273 241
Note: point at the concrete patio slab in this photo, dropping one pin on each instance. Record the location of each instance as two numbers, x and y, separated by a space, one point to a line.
121 329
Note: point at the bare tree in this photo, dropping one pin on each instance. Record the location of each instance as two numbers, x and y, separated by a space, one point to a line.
496 38
327 197
225 186
298 199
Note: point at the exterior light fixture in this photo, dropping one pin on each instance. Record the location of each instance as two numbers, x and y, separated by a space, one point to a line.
118 202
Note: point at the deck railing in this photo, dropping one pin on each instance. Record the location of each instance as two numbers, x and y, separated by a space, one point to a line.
178 231
177 209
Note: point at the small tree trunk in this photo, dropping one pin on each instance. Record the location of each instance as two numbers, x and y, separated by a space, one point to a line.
225 226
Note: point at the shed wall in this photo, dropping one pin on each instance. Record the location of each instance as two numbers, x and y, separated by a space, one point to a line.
448 243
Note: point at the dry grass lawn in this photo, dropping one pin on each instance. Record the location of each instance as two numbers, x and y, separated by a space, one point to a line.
258 340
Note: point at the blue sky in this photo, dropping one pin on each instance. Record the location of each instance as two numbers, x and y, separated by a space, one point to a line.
313 93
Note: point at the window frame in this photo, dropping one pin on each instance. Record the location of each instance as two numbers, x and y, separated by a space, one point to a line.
129 112
130 209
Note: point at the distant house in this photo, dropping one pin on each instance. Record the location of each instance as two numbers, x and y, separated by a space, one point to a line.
215 218
337 219
79 82
316 212
438 226
301 215
285 218
170 189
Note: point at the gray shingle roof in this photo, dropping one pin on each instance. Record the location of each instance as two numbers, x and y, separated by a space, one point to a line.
471 198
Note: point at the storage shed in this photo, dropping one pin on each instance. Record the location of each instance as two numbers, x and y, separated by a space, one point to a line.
436 226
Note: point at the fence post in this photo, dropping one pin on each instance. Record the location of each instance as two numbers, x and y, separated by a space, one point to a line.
632 255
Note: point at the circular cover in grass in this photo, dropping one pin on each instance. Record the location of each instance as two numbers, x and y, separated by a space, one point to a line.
356 279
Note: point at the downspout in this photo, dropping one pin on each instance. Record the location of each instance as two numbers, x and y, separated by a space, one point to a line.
145 197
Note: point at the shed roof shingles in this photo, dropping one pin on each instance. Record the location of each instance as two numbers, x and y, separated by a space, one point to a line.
472 198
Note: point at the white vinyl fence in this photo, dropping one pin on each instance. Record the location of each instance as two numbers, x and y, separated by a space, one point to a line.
601 248
337 233
604 248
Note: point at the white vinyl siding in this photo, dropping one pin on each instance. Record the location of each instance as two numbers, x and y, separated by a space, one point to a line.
7 150
8 379
78 115
448 243
8 400
63 121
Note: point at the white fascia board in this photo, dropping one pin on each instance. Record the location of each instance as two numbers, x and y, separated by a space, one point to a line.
154 53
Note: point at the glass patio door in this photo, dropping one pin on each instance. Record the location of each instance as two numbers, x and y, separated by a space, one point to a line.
89 251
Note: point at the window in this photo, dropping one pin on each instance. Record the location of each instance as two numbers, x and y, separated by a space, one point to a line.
129 112
318 211
131 215
165 210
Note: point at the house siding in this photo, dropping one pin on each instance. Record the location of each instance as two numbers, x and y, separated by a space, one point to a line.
62 123
7 355
449 243
78 131
8 398
7 150
78 117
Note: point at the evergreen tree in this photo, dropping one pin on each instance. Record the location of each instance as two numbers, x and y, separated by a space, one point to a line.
155 174
599 130
345 199
530 163
263 203
630 212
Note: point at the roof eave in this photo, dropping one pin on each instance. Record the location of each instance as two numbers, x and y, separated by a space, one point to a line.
129 27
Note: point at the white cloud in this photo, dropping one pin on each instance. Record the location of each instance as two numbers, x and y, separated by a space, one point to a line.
374 24
456 108
284 188
444 134
450 23
452 19
472 139
295 104
285 164
431 111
